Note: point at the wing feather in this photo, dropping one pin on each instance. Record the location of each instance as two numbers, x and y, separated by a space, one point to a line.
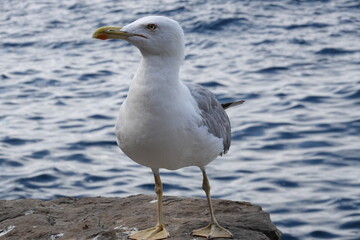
213 114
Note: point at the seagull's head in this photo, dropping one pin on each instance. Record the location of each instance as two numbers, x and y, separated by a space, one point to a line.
153 35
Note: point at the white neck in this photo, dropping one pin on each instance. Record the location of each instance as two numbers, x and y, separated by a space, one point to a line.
157 70
155 80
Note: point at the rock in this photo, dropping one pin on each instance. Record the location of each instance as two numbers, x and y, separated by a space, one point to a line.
103 218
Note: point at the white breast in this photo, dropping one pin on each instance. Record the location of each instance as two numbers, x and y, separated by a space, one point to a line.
163 128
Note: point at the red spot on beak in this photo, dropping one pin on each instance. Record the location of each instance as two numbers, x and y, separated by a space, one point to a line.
102 37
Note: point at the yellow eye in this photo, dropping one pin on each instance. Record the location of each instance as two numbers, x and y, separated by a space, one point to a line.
151 27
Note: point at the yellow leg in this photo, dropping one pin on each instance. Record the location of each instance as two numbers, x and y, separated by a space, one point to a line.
213 229
159 231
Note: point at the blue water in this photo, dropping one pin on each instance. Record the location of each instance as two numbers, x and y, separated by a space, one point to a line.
296 141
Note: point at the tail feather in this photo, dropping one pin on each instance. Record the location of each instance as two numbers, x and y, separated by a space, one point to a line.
232 104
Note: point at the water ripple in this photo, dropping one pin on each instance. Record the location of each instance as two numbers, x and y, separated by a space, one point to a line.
334 51
295 146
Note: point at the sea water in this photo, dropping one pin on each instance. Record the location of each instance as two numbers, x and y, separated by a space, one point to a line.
296 141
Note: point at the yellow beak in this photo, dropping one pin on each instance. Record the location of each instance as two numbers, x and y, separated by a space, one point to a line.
104 33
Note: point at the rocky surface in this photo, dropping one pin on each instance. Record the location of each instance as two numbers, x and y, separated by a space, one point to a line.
114 218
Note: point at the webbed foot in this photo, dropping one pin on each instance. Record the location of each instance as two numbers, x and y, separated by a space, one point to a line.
154 233
213 230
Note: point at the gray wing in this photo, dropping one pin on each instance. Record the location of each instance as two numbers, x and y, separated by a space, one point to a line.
213 114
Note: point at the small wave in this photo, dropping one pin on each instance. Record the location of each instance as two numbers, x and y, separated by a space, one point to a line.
116 170
55 24
350 225
71 126
60 103
323 234
218 24
26 72
292 223
81 145
307 25
18 141
120 183
287 236
5 162
42 82
71 44
354 95
64 173
17 44
79 157
88 76
100 117
39 181
347 204
211 84
266 189
226 178
35 118
272 70
264 42
275 146
258 129
314 99
261 179
244 171
94 178
109 126
85 185
315 144
39 178
40 154
351 6
300 42
253 131
334 51
287 135
286 183
250 96
350 154
77 6
170 12
4 76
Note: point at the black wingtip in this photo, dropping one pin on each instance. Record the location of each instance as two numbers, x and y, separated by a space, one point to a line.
232 104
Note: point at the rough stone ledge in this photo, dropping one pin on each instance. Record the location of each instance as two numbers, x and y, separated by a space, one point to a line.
103 218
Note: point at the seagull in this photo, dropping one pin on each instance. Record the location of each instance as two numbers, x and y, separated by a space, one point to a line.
165 122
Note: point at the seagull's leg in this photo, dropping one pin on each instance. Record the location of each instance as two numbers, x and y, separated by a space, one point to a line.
213 229
159 231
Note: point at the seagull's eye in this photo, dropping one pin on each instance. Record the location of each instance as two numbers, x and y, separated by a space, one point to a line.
151 27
